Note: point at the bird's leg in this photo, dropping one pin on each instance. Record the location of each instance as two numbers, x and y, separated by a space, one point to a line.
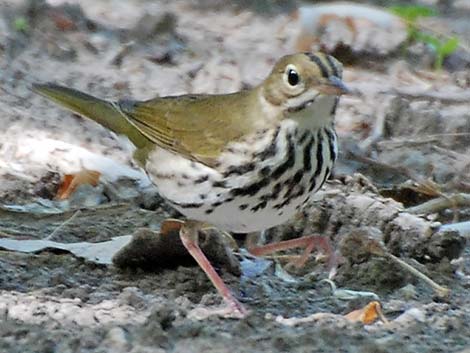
308 243
171 224
189 237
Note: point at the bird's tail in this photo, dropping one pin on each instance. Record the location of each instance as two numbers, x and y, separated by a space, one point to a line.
103 112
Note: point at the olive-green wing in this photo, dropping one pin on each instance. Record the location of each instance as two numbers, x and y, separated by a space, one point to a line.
195 126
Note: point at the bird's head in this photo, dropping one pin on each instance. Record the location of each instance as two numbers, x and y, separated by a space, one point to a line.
298 80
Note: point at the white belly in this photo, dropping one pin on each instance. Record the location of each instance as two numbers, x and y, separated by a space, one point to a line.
255 196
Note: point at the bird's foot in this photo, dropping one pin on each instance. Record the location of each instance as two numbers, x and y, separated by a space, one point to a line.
227 311
308 243
189 236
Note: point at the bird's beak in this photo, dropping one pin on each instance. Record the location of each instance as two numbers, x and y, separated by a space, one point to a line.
334 87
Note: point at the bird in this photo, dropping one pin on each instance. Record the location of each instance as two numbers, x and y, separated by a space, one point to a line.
242 162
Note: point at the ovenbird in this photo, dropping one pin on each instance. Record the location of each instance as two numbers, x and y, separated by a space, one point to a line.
242 162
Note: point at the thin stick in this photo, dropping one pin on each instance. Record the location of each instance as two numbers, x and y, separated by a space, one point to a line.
62 225
440 290
441 203
377 248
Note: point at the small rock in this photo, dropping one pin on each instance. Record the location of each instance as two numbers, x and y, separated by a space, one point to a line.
355 245
116 340
410 316
48 185
408 292
457 61
87 196
132 296
151 26
153 333
123 189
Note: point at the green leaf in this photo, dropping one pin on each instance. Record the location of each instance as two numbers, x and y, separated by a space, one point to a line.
412 12
450 46
20 24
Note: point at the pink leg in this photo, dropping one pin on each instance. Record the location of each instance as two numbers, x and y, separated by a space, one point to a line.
189 237
307 242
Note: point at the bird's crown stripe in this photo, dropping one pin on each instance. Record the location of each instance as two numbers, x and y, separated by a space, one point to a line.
320 63
333 66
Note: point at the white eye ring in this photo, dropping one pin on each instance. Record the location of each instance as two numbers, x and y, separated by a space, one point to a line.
292 77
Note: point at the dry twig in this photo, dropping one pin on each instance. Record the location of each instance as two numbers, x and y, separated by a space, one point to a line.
62 225
441 203
377 249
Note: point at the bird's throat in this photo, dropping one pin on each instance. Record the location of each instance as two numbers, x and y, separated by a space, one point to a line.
316 114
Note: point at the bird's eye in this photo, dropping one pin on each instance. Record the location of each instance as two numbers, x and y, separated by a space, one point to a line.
293 77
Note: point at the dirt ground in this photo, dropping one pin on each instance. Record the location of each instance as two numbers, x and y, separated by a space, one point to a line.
405 140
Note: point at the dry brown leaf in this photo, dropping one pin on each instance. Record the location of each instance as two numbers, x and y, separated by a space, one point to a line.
63 21
71 181
427 187
368 314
